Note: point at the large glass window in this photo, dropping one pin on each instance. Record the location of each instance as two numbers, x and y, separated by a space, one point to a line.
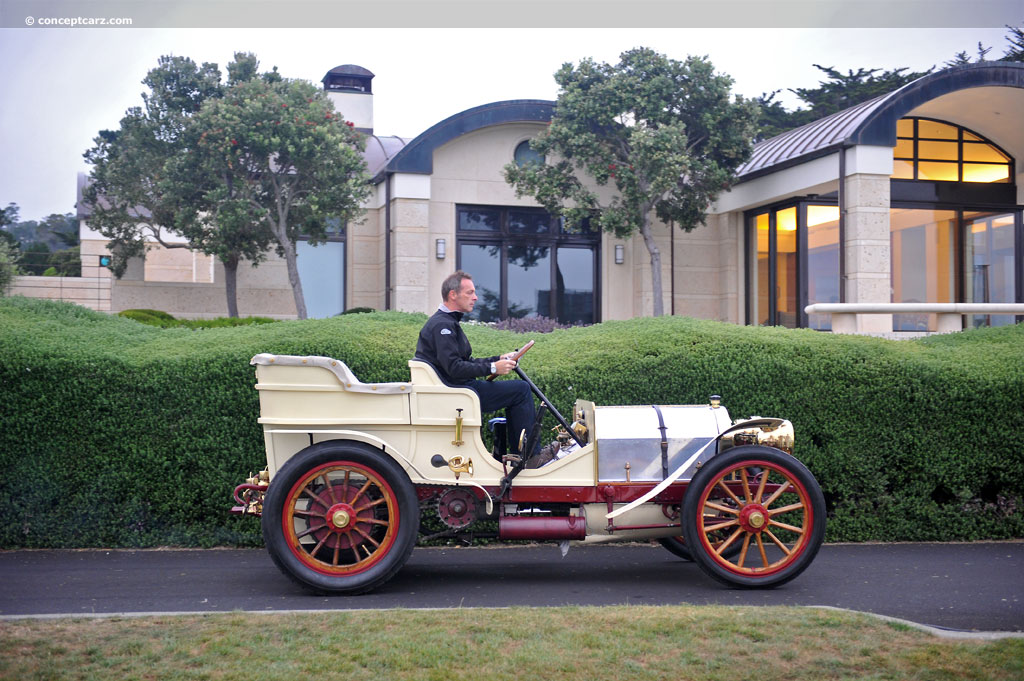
762 280
822 260
777 236
989 264
927 149
322 273
923 262
524 264
786 295
484 263
574 285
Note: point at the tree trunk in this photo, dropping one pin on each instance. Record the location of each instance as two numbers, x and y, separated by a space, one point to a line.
652 248
292 264
231 284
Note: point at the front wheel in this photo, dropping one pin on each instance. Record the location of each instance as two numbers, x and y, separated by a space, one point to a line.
763 502
340 518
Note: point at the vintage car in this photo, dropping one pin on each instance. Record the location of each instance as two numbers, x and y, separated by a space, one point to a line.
351 466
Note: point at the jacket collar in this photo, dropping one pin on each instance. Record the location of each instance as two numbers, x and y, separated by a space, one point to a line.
457 316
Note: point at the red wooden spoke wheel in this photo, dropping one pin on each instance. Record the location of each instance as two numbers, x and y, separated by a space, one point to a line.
340 517
764 502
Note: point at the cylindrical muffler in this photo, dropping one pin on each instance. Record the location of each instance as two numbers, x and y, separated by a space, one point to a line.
516 527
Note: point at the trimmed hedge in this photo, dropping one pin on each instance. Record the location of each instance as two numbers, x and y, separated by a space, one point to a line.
166 321
114 433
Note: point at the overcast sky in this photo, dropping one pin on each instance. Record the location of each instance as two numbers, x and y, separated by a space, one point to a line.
61 86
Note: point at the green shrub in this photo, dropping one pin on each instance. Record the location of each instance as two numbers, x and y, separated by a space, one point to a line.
167 321
8 265
151 317
114 433
145 312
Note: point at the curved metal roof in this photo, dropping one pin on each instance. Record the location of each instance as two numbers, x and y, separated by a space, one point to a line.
418 155
872 122
380 150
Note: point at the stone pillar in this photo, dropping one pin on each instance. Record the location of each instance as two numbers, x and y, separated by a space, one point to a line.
365 279
868 265
410 249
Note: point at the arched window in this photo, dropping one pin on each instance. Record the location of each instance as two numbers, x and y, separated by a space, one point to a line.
927 149
525 154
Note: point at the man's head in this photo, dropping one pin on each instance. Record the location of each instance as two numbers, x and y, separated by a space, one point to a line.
458 292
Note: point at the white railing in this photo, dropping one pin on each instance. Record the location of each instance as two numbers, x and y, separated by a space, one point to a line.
949 315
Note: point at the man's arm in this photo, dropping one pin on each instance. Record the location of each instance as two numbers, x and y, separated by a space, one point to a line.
451 351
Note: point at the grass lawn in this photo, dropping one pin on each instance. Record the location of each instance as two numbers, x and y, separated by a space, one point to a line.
567 644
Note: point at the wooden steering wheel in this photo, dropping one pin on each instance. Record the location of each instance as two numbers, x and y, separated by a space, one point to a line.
515 358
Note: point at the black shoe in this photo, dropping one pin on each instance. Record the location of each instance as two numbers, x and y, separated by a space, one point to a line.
546 455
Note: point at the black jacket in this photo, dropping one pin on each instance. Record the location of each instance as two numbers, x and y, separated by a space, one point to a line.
443 345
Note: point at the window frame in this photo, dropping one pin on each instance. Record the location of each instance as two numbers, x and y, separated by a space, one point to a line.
554 238
962 143
802 280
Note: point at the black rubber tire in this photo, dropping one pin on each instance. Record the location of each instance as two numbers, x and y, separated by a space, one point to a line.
313 489
809 518
677 546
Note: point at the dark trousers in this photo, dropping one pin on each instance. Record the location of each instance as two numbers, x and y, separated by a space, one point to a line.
515 397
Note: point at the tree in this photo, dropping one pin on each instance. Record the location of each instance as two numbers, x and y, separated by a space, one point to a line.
1015 52
134 193
124 195
837 92
282 157
8 266
775 119
841 91
9 215
962 58
8 218
666 134
225 229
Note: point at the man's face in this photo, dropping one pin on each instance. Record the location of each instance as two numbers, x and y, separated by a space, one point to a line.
463 299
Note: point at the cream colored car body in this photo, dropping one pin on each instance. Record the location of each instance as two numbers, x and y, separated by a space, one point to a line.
353 466
306 400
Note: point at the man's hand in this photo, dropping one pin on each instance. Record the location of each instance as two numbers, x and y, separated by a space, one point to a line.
505 365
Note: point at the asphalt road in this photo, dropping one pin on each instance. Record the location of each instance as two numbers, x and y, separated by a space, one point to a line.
971 587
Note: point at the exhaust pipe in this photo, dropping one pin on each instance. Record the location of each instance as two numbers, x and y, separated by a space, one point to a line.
559 528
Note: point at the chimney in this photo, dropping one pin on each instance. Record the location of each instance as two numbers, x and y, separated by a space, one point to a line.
349 87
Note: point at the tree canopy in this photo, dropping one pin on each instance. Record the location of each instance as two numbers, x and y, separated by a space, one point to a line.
125 196
134 195
275 155
836 92
840 91
667 136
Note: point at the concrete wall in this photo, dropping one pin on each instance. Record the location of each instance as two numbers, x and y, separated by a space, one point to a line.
262 291
91 292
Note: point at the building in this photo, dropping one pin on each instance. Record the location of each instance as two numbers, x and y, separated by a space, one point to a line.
911 197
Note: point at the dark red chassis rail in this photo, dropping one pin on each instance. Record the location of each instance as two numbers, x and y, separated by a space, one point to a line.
616 493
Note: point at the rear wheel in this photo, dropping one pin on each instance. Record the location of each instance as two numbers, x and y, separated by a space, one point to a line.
762 502
340 517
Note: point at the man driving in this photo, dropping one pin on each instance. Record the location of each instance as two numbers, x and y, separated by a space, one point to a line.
443 345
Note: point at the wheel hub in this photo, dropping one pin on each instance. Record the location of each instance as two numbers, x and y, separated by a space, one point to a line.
340 517
753 518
